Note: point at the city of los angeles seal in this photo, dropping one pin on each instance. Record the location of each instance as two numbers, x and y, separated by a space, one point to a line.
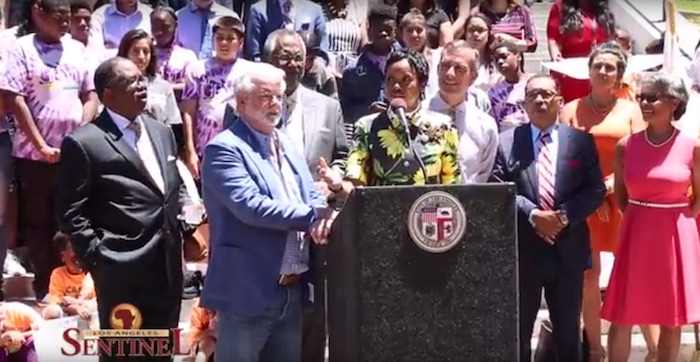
437 221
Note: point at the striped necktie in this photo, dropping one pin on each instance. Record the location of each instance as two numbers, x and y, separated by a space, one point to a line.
545 172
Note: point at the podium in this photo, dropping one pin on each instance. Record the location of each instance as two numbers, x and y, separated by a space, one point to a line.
424 273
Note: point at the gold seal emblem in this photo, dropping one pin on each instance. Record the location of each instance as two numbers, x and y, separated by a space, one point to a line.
437 222
125 316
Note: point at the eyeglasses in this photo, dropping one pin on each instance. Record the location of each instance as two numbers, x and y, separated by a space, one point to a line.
286 58
650 97
127 82
544 93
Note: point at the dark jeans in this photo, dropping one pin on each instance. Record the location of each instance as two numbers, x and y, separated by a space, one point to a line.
37 182
274 336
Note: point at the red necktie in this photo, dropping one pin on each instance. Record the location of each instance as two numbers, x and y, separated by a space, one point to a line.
545 172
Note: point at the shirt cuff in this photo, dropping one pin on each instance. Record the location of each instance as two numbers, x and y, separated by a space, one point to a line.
529 217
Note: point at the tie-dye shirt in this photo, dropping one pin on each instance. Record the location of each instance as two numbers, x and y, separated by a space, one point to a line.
506 99
51 77
211 84
175 62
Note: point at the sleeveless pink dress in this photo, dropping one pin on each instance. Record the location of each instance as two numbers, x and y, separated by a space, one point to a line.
656 276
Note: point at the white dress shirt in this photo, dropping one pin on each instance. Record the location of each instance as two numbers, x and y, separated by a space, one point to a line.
478 139
142 146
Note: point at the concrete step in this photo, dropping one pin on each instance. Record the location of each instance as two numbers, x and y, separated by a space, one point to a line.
543 315
639 348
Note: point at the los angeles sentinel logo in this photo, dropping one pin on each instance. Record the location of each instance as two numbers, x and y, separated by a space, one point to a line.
124 339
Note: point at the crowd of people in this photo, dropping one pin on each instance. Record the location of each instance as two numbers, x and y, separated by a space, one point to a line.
276 109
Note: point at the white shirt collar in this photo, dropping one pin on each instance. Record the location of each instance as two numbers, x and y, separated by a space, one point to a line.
439 105
121 121
536 131
296 95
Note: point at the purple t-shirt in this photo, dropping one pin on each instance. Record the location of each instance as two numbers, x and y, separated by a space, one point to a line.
506 99
211 84
51 78
174 64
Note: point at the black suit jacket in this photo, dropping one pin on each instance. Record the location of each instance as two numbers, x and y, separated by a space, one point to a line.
579 191
122 226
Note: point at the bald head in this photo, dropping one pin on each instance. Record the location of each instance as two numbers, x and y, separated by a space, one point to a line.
110 71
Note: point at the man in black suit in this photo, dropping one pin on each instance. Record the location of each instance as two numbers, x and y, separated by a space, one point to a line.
119 200
559 183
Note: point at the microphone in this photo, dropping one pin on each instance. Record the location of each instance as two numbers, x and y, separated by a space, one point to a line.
398 106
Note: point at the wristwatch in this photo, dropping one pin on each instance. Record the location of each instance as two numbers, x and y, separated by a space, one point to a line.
563 218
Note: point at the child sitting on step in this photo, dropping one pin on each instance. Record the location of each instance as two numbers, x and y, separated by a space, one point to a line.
71 290
17 320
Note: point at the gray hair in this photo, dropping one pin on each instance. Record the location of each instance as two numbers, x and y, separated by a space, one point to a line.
273 41
612 48
669 85
461 44
255 73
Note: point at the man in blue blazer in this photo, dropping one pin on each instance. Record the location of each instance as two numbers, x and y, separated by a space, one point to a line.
261 201
559 184
267 16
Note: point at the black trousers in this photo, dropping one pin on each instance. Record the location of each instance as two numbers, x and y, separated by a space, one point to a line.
313 348
37 185
157 302
563 290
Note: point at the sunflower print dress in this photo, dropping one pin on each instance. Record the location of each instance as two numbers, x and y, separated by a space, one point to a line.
381 156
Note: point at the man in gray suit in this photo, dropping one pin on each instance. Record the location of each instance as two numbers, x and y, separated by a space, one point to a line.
314 122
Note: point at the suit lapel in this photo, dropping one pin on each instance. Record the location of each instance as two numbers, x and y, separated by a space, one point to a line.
564 137
309 117
116 139
524 139
158 148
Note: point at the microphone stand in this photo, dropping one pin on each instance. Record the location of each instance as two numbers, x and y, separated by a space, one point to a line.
409 140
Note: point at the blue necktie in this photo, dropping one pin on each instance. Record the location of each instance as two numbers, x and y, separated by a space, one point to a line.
207 37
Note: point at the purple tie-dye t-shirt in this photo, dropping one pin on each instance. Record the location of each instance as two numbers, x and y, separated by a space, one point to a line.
506 99
51 78
174 64
211 84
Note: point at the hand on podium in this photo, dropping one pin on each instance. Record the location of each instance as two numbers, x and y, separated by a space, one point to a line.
322 226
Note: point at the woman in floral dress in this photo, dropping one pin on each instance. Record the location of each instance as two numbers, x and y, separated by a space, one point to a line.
384 154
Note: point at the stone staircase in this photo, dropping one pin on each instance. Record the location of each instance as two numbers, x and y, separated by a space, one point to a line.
639 348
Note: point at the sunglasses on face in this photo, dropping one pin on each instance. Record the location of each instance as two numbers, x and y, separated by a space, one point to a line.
650 97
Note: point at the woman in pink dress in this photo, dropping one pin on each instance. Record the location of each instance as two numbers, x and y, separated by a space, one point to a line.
657 264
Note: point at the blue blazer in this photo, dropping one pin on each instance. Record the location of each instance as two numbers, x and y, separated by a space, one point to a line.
266 16
248 224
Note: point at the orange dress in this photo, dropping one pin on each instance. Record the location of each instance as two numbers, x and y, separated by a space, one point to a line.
607 130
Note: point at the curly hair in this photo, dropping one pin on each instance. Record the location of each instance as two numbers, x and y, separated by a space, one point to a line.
131 37
418 64
572 16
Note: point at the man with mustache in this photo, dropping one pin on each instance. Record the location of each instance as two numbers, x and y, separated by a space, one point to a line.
559 184
119 199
